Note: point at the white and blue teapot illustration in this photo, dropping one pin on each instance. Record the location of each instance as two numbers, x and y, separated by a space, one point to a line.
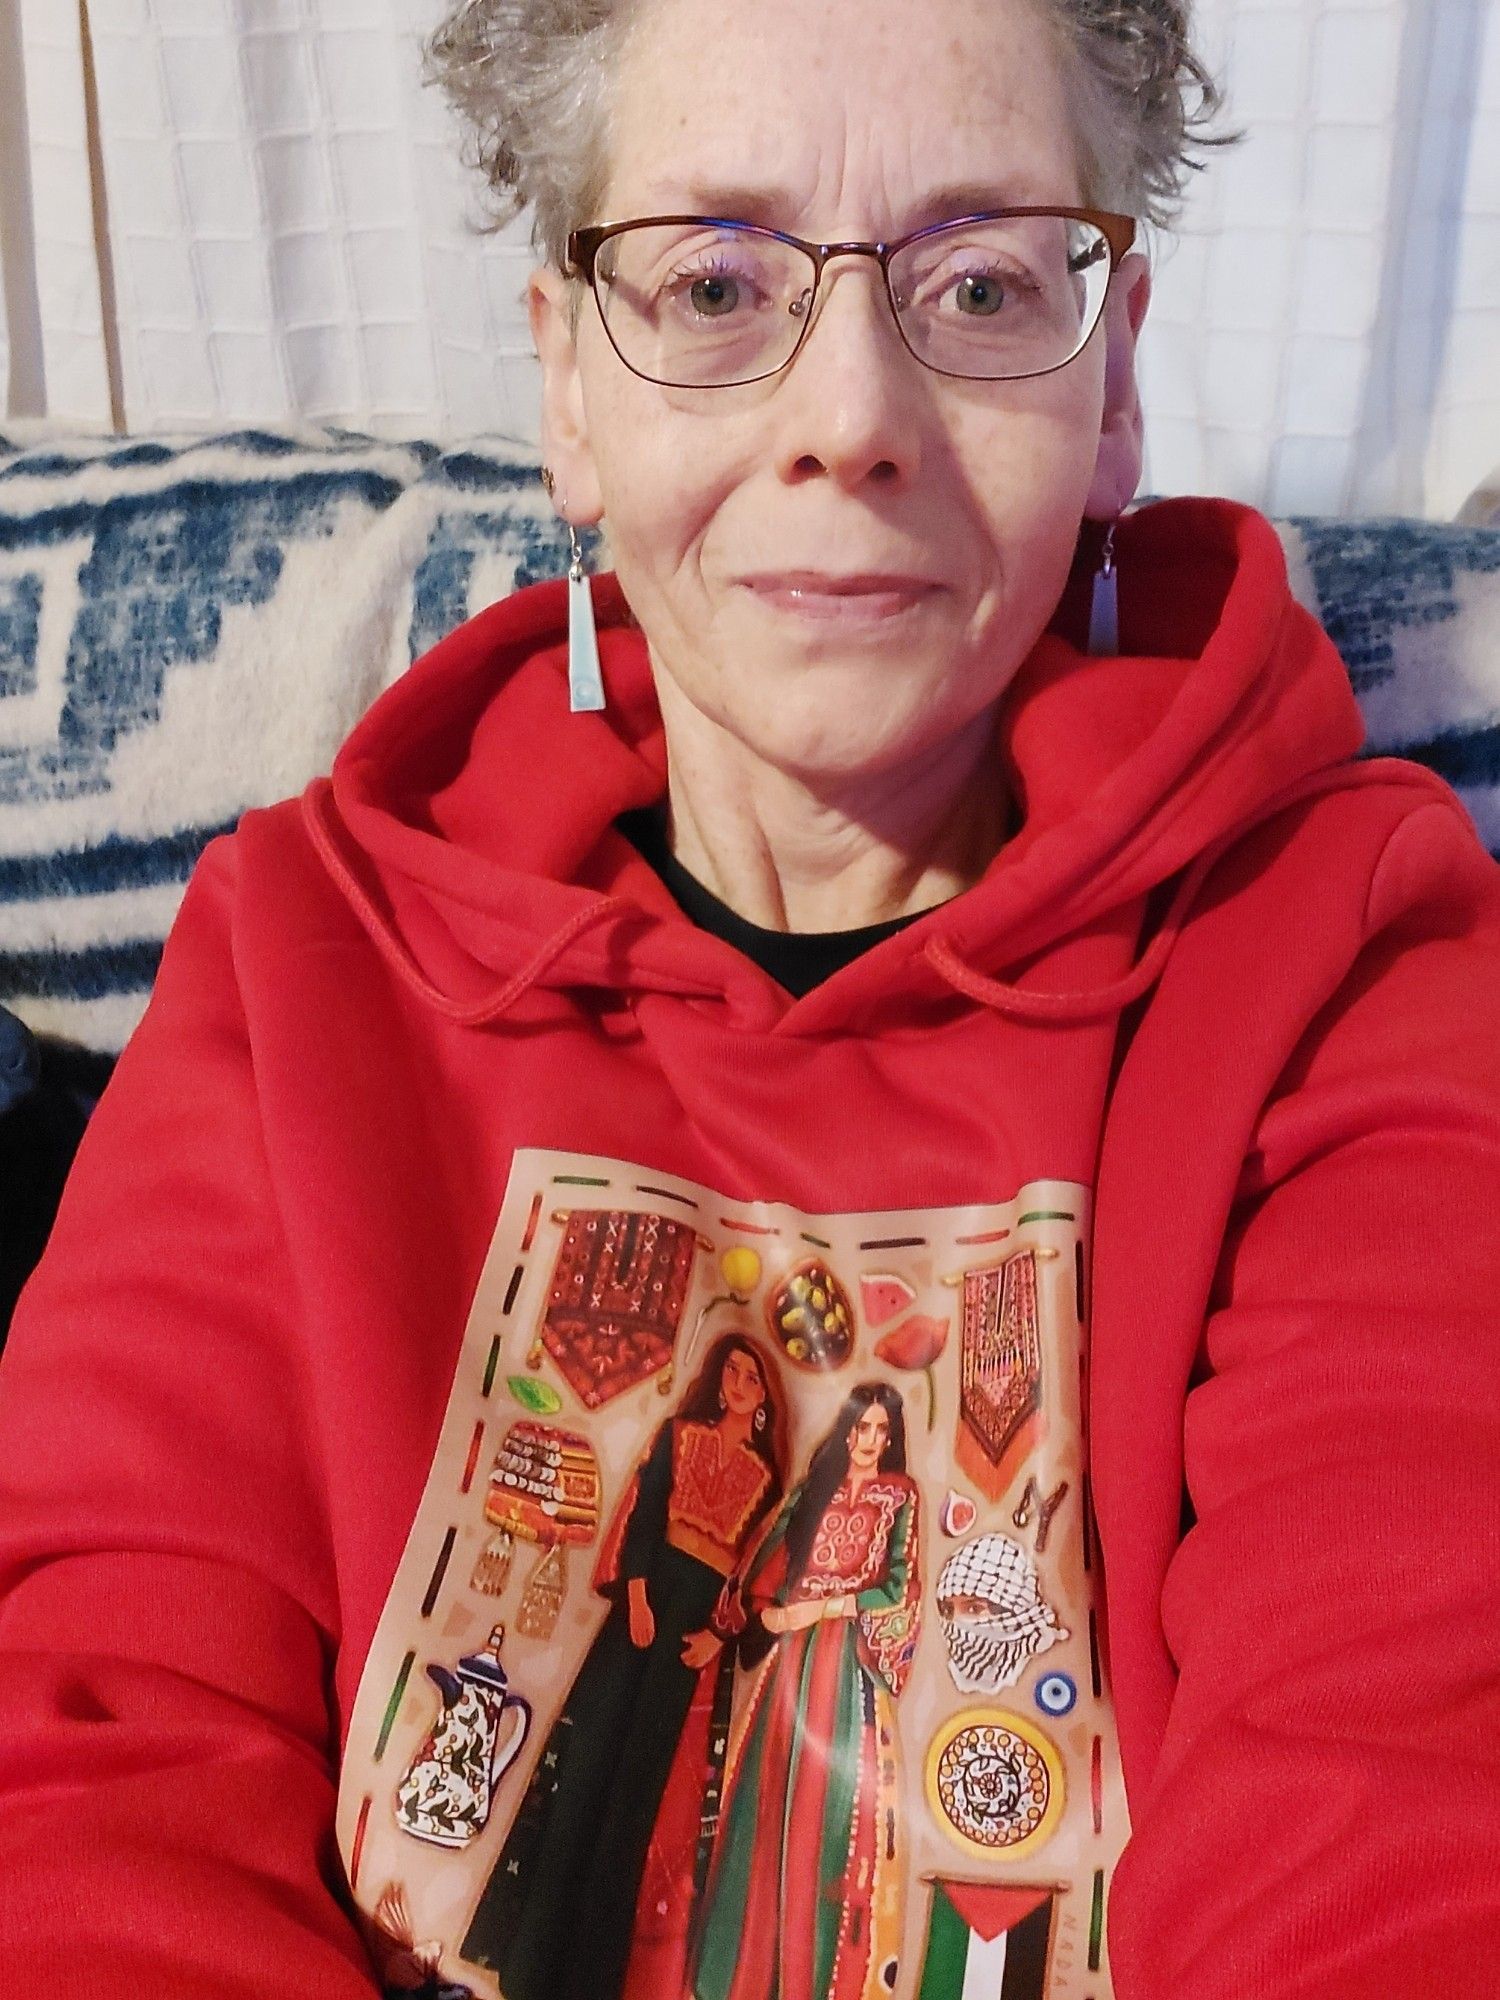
481 1729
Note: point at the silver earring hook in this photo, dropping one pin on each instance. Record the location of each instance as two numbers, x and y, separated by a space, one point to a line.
575 547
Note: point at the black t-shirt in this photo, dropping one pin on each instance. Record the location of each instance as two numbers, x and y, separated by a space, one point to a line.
796 960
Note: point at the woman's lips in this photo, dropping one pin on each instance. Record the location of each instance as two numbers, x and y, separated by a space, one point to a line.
842 601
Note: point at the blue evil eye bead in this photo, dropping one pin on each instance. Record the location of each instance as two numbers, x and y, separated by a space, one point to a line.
1056 1694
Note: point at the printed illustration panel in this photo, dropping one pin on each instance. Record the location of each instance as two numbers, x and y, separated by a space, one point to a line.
745 1645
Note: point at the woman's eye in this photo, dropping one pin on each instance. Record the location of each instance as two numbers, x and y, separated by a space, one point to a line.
985 293
982 293
713 294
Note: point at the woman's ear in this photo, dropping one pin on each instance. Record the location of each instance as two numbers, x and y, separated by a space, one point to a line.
1117 470
564 429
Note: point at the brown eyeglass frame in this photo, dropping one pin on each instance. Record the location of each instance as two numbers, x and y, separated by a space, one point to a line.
583 247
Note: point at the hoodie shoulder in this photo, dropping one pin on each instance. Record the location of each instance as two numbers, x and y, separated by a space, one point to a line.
1432 858
272 886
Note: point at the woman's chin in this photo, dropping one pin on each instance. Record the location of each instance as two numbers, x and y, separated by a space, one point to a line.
838 721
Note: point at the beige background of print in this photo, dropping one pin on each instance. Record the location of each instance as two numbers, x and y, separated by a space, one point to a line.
441 1886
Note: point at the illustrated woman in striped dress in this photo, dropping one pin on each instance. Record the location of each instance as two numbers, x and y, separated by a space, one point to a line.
803 1900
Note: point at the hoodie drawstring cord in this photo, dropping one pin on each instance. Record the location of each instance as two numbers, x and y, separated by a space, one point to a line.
1091 1004
484 1011
1024 1003
1036 1004
464 1014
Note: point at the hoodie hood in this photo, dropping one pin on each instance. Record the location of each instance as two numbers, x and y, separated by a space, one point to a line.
469 818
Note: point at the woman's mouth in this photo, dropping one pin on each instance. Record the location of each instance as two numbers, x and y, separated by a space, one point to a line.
844 601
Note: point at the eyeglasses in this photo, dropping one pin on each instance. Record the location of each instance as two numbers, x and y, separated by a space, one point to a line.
699 302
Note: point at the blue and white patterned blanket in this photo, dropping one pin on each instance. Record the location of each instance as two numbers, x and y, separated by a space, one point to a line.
191 626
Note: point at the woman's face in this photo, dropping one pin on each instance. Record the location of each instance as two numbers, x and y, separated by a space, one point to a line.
869 1438
848 120
741 1384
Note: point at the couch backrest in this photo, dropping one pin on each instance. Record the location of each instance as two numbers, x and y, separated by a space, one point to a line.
190 626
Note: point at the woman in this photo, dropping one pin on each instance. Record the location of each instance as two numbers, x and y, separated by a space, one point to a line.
948 904
836 1588
557 1915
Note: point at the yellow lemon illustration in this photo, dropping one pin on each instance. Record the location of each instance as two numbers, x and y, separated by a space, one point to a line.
741 1269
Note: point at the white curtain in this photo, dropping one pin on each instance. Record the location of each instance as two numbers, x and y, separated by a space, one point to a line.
1326 334
54 323
239 211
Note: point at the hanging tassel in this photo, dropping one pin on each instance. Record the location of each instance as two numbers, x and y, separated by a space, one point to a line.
1104 619
542 1602
585 680
492 1570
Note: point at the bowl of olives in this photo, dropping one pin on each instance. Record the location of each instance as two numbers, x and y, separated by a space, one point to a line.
811 1315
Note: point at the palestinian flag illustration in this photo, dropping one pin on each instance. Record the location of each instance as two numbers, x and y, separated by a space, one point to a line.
987 1942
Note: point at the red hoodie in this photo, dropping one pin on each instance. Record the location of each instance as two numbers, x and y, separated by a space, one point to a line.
376 1376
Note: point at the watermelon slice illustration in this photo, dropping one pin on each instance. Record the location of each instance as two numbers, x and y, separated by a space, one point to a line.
958 1515
883 1295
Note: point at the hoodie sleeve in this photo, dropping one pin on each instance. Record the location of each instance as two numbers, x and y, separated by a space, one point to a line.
1324 1820
167 1610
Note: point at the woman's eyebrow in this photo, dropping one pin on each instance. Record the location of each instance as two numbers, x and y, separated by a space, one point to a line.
778 207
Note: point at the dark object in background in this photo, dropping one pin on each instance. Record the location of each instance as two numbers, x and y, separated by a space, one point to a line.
47 1091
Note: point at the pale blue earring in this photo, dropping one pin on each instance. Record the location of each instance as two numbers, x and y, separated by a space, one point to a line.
1104 618
585 678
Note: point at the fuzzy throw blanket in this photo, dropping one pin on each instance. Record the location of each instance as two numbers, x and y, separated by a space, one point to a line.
190 626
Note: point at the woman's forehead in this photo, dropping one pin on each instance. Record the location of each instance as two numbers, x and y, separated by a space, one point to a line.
780 113
778 204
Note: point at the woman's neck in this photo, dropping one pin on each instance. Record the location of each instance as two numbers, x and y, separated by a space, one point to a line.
842 855
733 1430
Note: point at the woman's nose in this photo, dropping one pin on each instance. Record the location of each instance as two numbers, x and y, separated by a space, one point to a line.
850 403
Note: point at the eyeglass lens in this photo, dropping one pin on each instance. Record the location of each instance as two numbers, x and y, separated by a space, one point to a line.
711 304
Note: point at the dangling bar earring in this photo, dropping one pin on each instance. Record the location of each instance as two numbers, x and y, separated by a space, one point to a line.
585 681
1104 619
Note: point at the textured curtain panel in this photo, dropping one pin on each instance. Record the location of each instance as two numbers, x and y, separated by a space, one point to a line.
292 225
289 237
1326 333
55 323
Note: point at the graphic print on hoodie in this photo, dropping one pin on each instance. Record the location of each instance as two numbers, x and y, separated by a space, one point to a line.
584 1763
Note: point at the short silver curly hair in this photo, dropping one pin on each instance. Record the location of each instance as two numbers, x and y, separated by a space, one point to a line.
530 80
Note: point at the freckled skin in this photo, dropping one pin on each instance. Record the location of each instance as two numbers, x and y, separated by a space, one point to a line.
856 457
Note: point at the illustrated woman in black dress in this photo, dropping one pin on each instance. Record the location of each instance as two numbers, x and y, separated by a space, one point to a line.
556 1919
